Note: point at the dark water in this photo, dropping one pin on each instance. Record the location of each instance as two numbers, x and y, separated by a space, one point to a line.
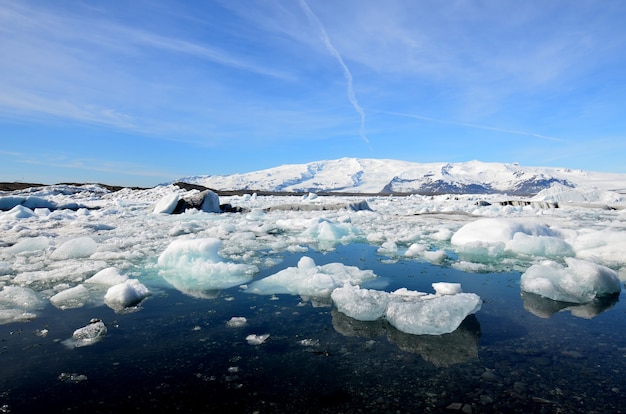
176 354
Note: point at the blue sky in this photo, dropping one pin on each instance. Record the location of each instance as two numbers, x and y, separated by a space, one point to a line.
144 92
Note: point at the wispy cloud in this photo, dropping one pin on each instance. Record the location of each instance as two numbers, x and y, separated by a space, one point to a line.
476 126
333 51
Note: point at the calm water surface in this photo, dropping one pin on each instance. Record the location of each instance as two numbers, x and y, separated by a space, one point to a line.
177 354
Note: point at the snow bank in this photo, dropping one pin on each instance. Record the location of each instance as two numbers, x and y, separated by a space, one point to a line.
308 279
578 282
194 266
411 312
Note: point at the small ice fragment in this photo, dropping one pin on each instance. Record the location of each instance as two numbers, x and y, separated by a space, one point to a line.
126 294
72 298
109 277
361 304
256 339
166 205
87 335
71 377
75 249
309 342
444 288
236 322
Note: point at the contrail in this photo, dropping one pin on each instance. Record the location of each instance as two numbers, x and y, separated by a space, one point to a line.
333 51
469 125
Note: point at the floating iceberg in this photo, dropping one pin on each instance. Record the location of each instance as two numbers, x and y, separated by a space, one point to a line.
193 266
308 279
495 236
411 312
361 304
87 335
126 294
71 298
578 282
432 315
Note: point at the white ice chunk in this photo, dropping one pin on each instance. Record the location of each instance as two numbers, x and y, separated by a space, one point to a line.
166 205
15 315
410 311
75 249
108 277
257 339
237 322
432 315
21 297
211 203
496 230
578 282
330 234
415 249
87 335
445 288
360 304
29 244
495 236
193 266
5 268
546 246
18 212
75 297
126 294
308 279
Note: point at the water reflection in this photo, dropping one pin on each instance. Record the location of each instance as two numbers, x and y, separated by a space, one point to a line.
545 308
440 350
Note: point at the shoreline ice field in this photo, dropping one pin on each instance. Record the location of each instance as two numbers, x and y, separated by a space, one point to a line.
84 247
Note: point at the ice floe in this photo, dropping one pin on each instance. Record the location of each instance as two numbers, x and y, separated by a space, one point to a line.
126 294
309 279
193 266
579 281
66 254
412 312
90 334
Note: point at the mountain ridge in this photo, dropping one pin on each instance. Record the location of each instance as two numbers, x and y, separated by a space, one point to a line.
386 176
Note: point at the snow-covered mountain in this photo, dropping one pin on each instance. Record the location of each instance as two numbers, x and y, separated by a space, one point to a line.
357 175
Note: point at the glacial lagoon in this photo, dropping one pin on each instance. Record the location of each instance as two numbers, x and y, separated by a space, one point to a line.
179 353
